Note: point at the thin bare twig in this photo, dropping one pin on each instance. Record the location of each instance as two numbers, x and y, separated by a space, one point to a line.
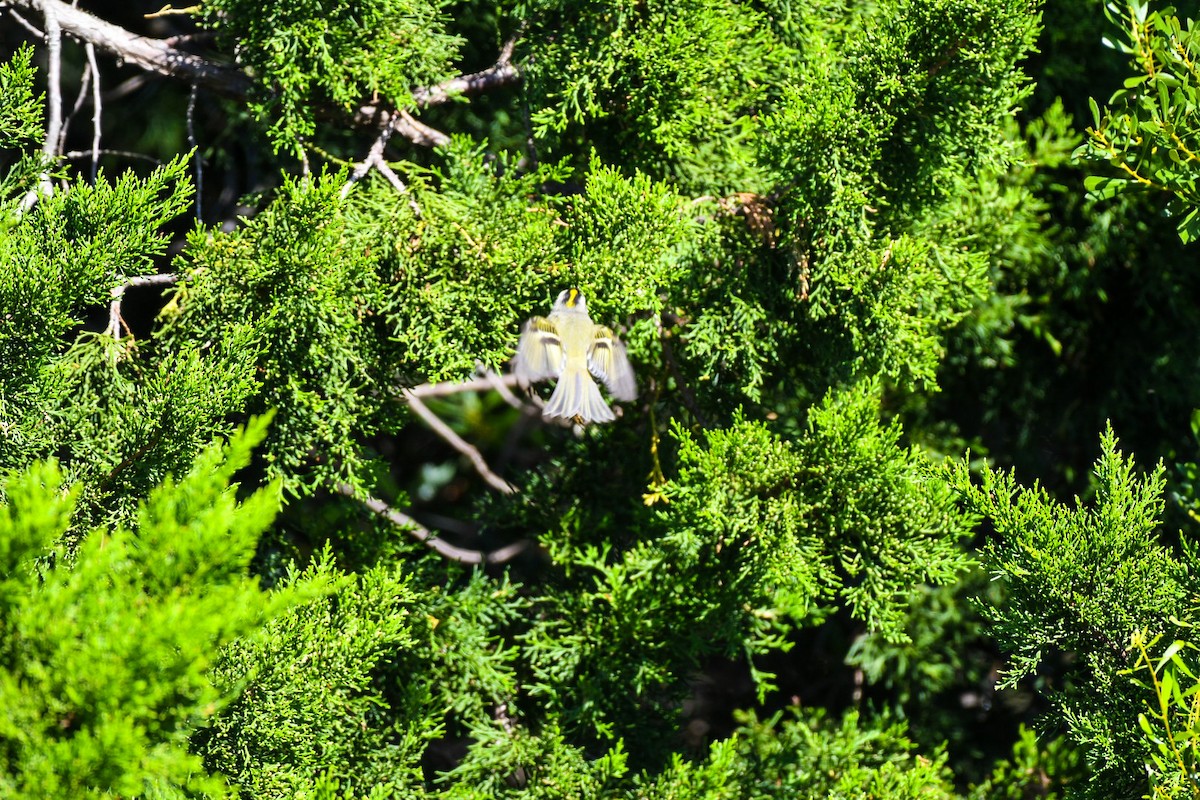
128 86
26 24
447 388
191 134
499 74
458 443
90 49
374 160
504 384
374 154
430 539
85 83
117 294
74 154
497 382
50 147
115 320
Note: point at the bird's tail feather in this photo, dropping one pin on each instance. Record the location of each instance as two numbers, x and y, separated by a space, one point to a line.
578 396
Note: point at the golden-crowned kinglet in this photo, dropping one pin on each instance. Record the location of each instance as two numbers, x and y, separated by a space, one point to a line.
568 346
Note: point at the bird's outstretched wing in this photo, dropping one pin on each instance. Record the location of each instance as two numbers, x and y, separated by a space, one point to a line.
539 352
608 362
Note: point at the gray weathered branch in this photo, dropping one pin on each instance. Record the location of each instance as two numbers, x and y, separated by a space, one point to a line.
160 57
430 539
117 294
154 55
459 444
499 74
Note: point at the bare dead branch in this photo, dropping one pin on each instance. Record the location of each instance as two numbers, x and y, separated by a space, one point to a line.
149 54
117 295
448 388
161 57
90 49
191 134
115 320
53 81
373 155
458 443
430 539
418 132
374 160
26 24
501 73
159 279
75 154
85 83
497 382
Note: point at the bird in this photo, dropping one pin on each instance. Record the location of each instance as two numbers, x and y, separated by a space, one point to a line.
568 346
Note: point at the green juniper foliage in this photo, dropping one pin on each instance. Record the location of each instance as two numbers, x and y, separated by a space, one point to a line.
104 662
804 754
312 691
306 55
1085 581
804 222
675 85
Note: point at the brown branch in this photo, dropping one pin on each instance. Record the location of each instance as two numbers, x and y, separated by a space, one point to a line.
430 539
